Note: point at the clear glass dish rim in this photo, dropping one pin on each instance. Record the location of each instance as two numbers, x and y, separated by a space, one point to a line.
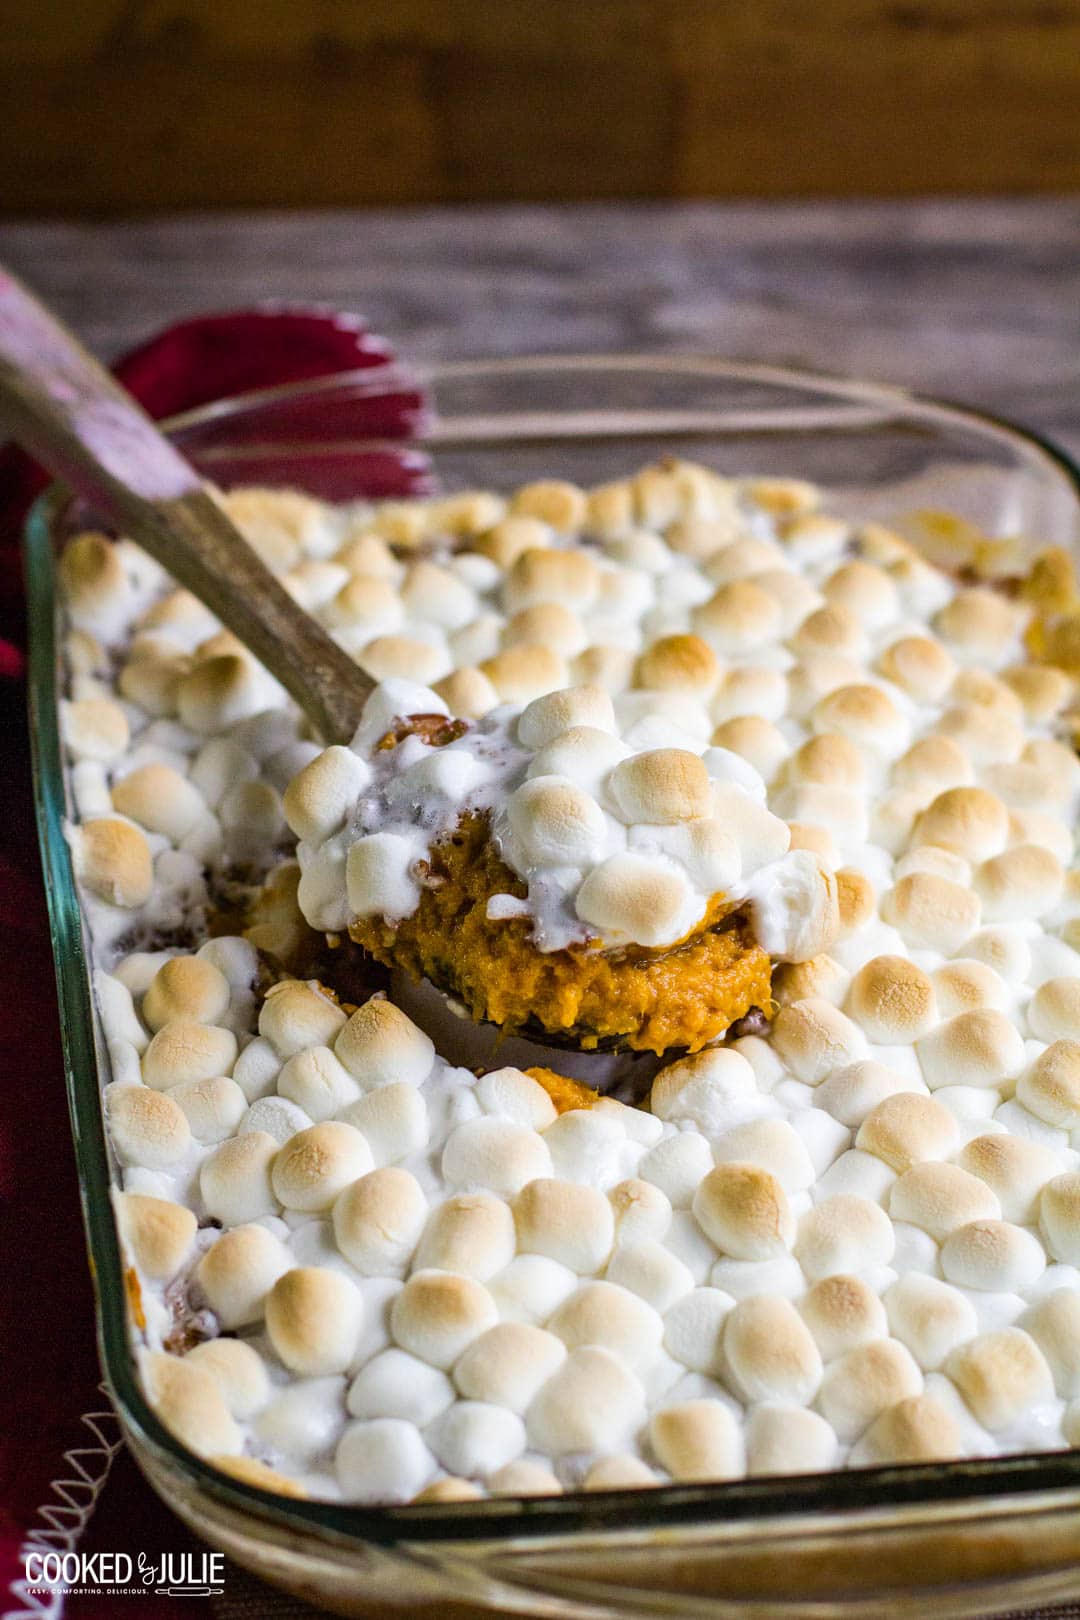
897 1490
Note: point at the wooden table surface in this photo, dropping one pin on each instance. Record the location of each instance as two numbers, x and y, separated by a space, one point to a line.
973 299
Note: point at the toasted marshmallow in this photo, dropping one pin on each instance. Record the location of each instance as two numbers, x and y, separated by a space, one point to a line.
917 1429
1059 1217
378 1220
235 1180
966 984
237 1369
700 1089
238 1272
148 1129
190 1403
1053 1013
979 624
1043 690
774 1145
509 1364
819 976
866 716
189 988
697 1441
1025 881
1001 1375
651 1271
513 1095
158 1233
527 671
1054 1323
380 1043
611 1317
318 1083
554 822
930 1317
636 898
754 739
992 1257
550 625
392 1119
471 1233
678 663
623 1472
744 1210
854 900
920 666
866 591
214 1107
1016 1169
833 628
96 589
112 858
317 1164
906 1128
641 1211
313 1317
568 1222
738 618
605 665
980 1048
383 1460
968 820
296 1015
317 801
892 1000
857 1387
663 786
592 1403
843 1234
853 1092
814 1038
783 1439
523 1478
940 1197
95 728
842 1312
770 1352
439 1313
467 692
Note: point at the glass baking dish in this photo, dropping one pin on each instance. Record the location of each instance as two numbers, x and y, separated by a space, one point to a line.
966 1538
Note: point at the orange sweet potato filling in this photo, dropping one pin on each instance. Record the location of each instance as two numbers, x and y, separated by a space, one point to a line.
646 1000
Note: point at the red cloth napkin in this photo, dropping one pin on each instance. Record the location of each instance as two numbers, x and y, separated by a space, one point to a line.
55 1453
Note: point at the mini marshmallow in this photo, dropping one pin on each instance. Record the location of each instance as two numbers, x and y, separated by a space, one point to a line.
256 1069
700 1090
112 859
1016 1169
392 1119
820 976
917 1429
774 1145
833 628
95 728
931 912
754 739
865 715
147 1127
861 1174
317 801
624 1472
439 1313
568 1222
1053 1013
783 1439
770 1352
857 1387
605 1315
218 766
220 691
853 1092
159 799
394 1384
520 674
547 718
378 876
467 692
235 1180
238 1272
523 1478
380 1043
967 820
531 1288
842 1312
738 618
214 1107
586 1145
158 1233
980 1048
553 822
186 987
237 1369
1025 881
678 663
313 1317
697 1440
964 984
295 1015
930 1317
1054 1323
651 1271
495 1154
920 666
979 623
277 1117
471 1233
907 1128
378 1220
476 1437
744 1210
933 765
316 1081
992 1257
661 786
892 1000
1059 1217
592 1403
843 1234
938 1198
509 1364
190 1403
513 1095
383 1460
641 1211
317 1164
814 1038
1001 1375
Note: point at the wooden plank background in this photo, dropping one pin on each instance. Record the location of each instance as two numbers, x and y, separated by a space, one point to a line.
113 105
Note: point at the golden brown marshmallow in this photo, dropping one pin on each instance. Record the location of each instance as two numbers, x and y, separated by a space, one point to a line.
932 912
842 1312
833 628
470 1233
917 1429
933 765
864 714
678 663
892 1000
907 1129
547 624
237 1273
186 987
664 785
1053 1012
318 1163
1050 1088
552 501
968 820
185 1049
1001 1375
859 1386
190 1404
756 740
697 1440
979 622
439 1313
389 658
744 1210
522 673
940 1197
112 858
148 1128
313 1318
95 728
920 666
159 1234
1054 1323
737 618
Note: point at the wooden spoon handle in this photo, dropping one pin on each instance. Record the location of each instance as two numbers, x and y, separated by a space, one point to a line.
71 415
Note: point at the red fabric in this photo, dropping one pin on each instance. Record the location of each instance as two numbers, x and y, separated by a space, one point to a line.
47 1349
